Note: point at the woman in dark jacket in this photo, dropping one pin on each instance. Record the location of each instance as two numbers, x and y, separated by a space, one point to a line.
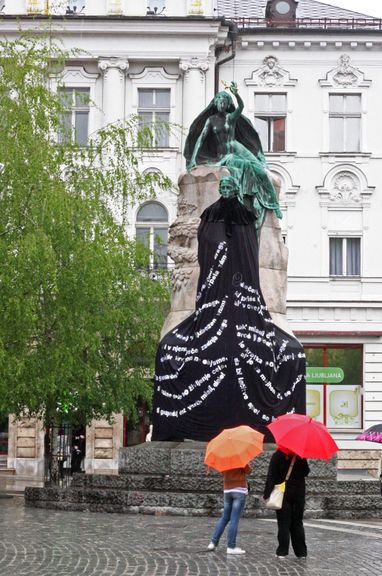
290 517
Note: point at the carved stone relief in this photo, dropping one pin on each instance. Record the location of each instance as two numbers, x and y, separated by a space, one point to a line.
344 75
270 74
346 188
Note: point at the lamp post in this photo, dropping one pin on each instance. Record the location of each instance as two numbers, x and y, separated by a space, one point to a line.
46 8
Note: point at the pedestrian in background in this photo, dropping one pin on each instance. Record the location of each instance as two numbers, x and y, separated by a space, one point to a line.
290 517
235 495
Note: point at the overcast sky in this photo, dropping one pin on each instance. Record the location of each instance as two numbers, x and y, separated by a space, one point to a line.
369 7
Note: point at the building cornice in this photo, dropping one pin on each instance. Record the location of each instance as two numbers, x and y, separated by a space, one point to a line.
348 333
90 25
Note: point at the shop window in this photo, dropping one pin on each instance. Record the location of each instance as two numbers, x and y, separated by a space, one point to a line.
345 122
270 121
75 121
344 256
334 385
154 112
152 230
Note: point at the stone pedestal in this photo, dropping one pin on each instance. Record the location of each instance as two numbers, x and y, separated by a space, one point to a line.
199 189
103 441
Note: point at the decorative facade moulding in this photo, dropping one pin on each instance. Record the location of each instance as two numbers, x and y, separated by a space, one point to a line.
74 76
270 74
151 74
194 64
345 76
105 64
292 44
77 75
345 187
288 190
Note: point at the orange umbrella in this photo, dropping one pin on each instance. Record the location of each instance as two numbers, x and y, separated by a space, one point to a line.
233 448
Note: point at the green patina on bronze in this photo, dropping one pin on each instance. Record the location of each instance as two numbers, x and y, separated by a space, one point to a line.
222 136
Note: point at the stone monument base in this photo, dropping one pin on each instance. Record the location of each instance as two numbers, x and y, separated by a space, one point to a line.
171 478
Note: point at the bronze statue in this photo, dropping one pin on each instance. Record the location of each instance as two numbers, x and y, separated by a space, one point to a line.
221 135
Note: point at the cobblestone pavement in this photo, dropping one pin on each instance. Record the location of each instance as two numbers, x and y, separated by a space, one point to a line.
37 542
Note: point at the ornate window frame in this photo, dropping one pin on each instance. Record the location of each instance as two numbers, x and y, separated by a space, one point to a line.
77 77
344 79
345 191
156 77
271 78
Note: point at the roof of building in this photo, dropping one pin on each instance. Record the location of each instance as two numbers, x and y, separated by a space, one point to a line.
305 9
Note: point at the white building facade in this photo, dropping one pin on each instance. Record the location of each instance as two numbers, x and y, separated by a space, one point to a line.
311 84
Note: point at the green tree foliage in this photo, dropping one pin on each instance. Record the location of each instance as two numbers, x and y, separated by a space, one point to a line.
79 316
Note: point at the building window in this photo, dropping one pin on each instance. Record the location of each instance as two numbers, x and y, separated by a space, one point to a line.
75 123
345 122
152 231
155 7
334 384
344 256
154 112
270 121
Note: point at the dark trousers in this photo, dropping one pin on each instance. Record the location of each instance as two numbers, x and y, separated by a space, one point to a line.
291 527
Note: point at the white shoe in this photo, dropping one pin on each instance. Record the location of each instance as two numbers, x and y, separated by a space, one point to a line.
235 551
211 546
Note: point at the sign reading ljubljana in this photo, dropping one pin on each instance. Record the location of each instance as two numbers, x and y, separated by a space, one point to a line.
317 375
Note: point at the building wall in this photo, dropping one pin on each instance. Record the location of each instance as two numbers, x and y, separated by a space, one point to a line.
323 194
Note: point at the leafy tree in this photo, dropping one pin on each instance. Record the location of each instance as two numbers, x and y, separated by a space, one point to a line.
79 316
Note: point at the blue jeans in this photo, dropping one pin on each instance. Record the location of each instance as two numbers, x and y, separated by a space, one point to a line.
233 507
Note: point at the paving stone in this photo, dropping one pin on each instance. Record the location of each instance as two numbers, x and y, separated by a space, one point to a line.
39 542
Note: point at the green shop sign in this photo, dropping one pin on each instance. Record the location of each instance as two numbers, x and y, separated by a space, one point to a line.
316 375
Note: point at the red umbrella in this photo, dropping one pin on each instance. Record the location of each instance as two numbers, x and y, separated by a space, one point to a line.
303 436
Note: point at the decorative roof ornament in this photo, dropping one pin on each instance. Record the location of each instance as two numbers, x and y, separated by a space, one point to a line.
34 7
270 74
115 7
345 75
195 7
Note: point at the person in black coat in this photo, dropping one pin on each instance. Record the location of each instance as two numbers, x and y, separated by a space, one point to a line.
290 517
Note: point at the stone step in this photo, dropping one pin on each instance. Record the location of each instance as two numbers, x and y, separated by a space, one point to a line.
166 483
170 478
191 503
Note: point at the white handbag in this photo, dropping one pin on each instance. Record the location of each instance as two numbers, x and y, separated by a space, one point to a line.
275 500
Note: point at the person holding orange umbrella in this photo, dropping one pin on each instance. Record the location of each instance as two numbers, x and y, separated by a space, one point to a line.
298 437
229 453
